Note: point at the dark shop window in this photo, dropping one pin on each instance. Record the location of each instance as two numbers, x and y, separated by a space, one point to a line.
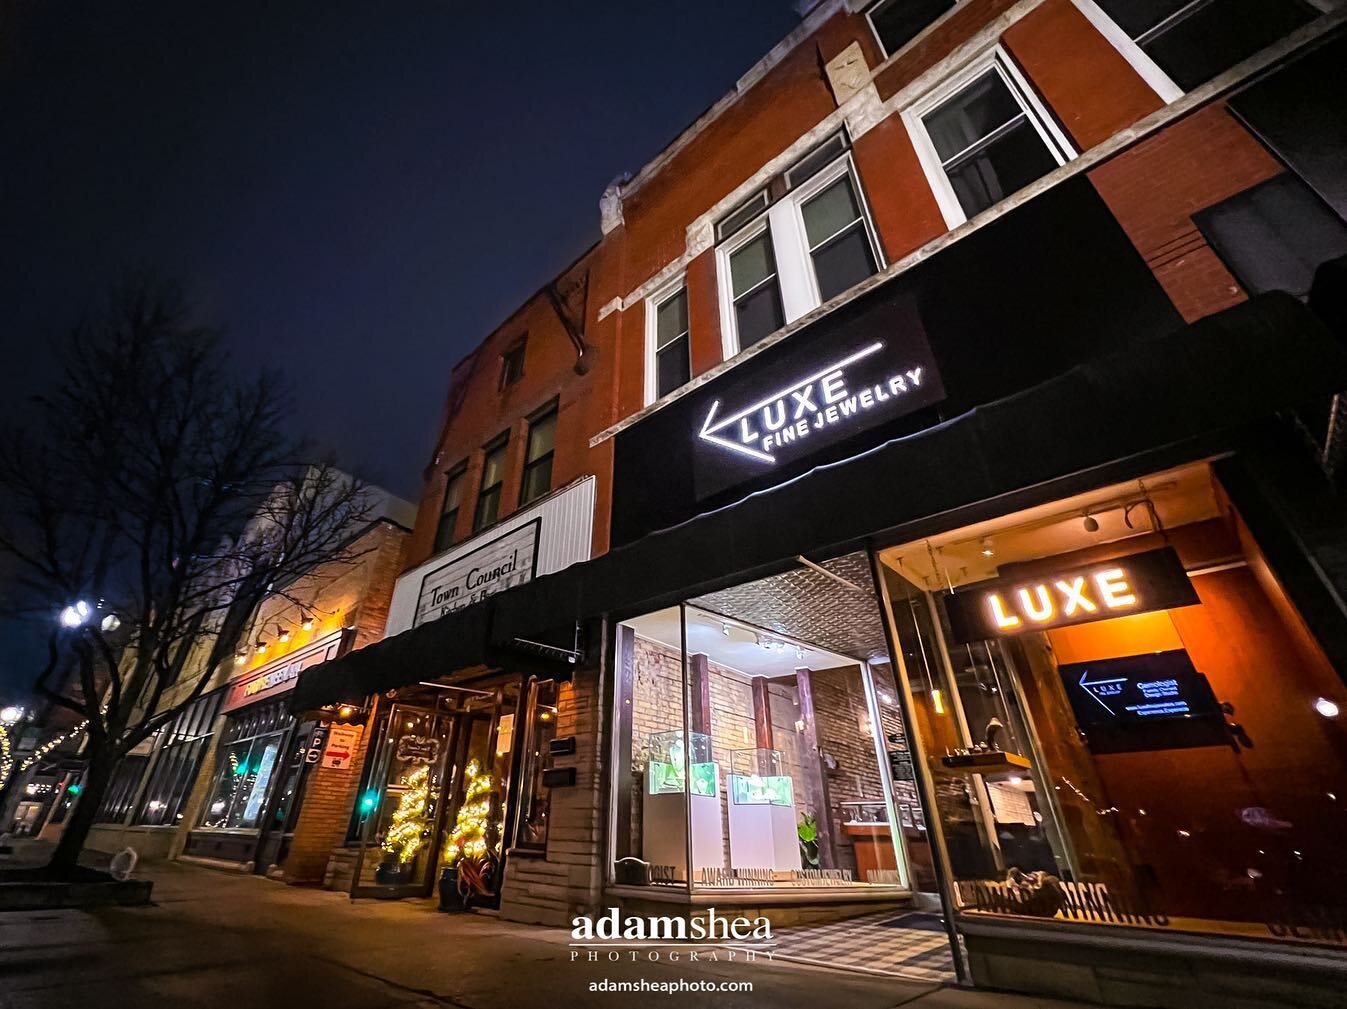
987 143
121 791
493 475
1194 40
535 801
1273 236
453 500
538 456
673 366
898 22
177 759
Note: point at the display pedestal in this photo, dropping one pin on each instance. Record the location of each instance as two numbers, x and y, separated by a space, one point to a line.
664 832
763 837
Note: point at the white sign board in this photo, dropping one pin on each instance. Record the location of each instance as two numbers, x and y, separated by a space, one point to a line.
499 564
341 743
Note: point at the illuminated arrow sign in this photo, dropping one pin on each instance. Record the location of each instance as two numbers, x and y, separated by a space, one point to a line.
820 401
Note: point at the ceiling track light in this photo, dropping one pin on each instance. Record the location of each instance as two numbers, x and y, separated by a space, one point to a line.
1091 523
987 549
261 646
282 633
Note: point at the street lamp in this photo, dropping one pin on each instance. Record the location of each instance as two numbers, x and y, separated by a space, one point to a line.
10 714
75 614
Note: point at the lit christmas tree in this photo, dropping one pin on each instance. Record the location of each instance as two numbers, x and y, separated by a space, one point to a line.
468 838
407 832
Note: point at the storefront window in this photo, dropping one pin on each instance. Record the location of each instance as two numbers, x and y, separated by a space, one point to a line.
245 767
176 761
535 798
1125 720
759 735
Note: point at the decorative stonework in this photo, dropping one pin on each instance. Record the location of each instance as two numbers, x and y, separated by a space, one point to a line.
610 205
848 73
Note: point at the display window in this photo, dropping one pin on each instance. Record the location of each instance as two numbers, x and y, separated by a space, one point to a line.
760 744
1124 718
438 790
248 761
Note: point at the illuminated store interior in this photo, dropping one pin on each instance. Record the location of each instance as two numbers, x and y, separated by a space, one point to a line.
1125 719
759 735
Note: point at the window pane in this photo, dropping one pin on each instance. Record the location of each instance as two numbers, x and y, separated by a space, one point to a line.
898 22
1217 36
493 467
751 264
971 114
759 314
671 319
843 263
1009 164
830 211
811 164
488 507
1139 16
542 435
672 368
537 480
453 492
444 532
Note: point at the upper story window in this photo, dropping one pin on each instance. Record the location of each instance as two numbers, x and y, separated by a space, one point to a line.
668 354
512 363
453 501
538 456
779 259
1192 41
898 22
981 136
493 476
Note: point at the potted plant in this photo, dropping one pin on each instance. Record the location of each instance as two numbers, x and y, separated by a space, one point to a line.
807 831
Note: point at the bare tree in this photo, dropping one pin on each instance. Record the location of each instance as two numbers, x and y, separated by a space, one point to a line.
155 503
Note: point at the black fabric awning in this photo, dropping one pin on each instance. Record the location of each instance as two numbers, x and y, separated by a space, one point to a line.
1194 388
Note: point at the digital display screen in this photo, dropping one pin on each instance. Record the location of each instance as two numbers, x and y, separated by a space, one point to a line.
1144 702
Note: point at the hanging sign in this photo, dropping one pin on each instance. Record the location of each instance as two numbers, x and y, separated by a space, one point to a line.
1154 580
418 749
341 743
759 419
499 564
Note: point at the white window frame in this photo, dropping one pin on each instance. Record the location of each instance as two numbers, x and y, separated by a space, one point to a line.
1150 72
869 9
652 303
1037 113
796 281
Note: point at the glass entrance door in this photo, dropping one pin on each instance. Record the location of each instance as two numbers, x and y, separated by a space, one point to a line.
397 855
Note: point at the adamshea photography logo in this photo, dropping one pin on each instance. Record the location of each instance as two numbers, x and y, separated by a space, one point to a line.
707 937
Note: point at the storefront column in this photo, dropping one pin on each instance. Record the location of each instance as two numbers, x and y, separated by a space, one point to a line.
924 780
809 716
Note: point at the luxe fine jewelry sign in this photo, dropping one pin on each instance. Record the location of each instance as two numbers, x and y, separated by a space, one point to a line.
499 564
762 419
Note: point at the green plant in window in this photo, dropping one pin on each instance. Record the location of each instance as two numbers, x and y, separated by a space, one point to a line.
807 831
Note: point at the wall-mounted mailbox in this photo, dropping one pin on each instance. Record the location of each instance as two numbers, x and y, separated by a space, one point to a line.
561 746
559 777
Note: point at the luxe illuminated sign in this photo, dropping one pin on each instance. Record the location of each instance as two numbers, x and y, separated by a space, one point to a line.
819 401
1154 580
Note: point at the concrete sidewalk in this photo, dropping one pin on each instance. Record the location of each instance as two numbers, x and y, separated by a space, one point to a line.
242 942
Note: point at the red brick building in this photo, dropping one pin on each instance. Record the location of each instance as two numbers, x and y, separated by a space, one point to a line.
898 508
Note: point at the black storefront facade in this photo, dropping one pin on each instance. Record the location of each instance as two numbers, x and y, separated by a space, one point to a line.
1080 550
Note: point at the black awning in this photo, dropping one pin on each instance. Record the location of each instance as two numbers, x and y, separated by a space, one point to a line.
455 641
1193 387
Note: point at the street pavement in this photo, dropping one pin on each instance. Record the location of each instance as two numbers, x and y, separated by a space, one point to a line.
216 939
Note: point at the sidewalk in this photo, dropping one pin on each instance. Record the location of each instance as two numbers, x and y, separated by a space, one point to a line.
241 942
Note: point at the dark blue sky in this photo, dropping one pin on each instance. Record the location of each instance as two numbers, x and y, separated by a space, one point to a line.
358 192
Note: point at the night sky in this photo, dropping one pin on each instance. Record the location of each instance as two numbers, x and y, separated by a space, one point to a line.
356 192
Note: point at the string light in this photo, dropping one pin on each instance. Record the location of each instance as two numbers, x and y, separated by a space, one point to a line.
468 838
407 832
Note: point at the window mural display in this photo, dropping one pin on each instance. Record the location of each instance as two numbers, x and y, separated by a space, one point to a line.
1125 719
